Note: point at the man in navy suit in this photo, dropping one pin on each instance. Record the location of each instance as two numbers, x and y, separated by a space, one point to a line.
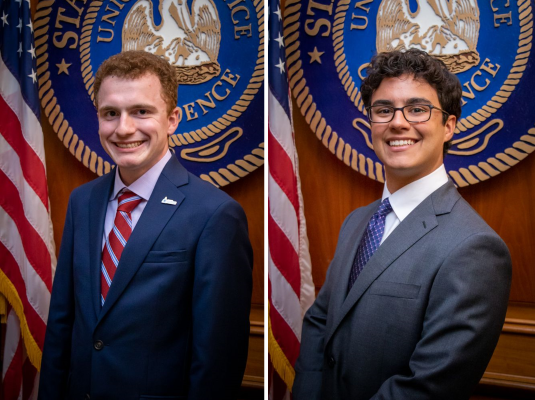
150 302
419 317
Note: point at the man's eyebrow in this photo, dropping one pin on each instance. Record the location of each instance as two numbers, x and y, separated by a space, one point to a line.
105 108
418 100
133 107
382 103
145 106
412 100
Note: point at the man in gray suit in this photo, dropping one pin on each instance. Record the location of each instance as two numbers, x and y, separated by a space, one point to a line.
416 294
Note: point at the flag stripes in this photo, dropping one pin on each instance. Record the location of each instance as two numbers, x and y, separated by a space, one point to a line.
290 288
32 243
27 248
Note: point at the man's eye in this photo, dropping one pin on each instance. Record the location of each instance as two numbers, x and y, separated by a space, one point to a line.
142 112
383 111
418 109
111 114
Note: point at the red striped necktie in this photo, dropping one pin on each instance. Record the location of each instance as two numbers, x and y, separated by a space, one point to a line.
116 240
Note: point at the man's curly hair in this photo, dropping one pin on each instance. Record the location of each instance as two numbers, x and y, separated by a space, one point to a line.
135 64
421 66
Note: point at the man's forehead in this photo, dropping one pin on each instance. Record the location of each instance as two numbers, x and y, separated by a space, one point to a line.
147 81
405 88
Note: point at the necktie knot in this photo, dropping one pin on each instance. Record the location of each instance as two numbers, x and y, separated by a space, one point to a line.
385 208
127 201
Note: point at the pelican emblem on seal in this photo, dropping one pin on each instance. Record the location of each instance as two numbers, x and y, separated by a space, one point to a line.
446 29
189 40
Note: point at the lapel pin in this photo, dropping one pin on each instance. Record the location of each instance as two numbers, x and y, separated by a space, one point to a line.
168 201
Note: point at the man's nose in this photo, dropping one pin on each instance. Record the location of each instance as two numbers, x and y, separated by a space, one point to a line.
126 125
399 120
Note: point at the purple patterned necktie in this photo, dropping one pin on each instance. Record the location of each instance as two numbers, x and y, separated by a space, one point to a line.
370 240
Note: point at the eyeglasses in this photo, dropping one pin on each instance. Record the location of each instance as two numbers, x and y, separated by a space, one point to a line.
412 113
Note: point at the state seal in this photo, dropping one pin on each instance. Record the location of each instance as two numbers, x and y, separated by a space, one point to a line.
216 48
486 44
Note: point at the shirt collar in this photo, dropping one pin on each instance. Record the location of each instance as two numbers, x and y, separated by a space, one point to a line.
406 199
144 185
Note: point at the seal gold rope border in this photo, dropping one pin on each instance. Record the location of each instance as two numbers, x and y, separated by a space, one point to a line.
90 158
365 165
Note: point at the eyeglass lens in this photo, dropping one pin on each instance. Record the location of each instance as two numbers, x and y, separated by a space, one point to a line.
412 113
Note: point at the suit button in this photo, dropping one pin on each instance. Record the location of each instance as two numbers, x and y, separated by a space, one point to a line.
98 345
332 361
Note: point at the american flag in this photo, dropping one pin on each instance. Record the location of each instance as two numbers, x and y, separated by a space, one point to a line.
27 254
290 286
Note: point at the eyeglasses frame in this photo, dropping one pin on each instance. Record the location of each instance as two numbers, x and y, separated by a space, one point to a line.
431 106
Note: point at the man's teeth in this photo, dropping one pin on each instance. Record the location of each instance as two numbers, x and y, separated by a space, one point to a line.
401 142
128 145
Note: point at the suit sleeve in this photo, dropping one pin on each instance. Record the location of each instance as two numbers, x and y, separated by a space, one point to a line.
221 304
462 324
309 364
55 363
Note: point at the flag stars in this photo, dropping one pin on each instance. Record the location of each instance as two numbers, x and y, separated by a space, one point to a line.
278 13
280 40
32 51
4 18
19 1
280 66
20 49
33 76
19 26
30 25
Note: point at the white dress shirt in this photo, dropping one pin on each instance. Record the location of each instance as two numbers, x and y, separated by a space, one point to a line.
406 199
143 187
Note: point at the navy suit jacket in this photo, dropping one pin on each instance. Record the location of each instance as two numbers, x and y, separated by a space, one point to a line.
175 324
423 318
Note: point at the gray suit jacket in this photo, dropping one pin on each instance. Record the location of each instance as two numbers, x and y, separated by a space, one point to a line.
424 316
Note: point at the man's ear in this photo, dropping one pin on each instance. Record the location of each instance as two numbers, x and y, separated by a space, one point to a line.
174 119
449 128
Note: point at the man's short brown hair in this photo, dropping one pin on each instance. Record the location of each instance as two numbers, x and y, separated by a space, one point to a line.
135 64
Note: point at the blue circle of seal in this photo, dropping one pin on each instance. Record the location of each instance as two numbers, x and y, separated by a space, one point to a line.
215 47
487 45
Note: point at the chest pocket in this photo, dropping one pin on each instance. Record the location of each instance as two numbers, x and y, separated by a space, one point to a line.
394 289
157 256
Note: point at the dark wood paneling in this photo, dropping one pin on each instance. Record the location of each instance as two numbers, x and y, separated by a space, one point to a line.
506 203
249 192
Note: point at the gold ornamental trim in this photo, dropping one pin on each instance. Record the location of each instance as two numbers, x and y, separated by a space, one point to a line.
49 102
365 165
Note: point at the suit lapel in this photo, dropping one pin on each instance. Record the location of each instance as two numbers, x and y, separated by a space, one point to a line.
151 223
349 248
417 224
100 196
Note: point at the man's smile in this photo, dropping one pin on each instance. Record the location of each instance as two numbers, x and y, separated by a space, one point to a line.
396 143
129 145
